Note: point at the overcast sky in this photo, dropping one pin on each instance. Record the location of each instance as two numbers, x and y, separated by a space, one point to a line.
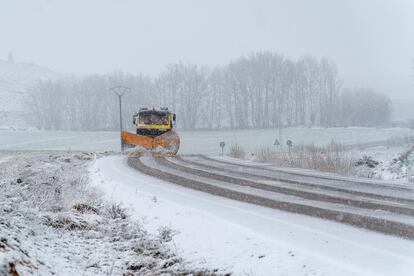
366 38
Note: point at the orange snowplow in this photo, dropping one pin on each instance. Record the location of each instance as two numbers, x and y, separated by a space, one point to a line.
154 133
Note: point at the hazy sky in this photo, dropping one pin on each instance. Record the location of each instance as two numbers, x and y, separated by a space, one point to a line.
364 37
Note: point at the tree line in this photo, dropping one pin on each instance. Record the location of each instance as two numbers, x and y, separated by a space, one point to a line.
261 90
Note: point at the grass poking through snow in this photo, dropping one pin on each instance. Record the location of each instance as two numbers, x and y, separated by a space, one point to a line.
53 222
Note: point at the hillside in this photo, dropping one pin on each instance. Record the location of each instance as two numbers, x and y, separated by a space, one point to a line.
15 79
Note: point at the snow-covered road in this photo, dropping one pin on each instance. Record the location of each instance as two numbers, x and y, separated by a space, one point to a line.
246 239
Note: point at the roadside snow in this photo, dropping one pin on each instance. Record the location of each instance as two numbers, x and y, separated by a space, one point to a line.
246 239
53 223
390 166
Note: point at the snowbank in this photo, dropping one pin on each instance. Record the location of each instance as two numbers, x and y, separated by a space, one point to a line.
53 223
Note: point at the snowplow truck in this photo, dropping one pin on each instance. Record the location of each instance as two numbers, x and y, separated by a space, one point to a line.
154 133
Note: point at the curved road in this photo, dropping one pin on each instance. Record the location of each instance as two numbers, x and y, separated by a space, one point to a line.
382 207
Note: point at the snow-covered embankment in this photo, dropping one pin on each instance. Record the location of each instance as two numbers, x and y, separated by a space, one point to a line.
52 222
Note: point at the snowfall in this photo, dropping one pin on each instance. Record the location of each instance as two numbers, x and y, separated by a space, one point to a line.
91 214
69 205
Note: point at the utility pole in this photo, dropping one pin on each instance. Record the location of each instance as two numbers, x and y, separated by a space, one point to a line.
222 145
120 91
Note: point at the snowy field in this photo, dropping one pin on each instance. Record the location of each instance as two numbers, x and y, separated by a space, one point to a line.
192 142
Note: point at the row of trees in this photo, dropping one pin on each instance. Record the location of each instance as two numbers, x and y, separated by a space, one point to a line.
261 90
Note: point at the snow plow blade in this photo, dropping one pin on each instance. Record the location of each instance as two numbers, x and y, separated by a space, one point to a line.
166 144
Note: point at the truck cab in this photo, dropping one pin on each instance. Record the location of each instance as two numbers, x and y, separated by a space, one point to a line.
153 122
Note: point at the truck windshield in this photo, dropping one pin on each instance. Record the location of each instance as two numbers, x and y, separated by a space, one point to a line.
153 118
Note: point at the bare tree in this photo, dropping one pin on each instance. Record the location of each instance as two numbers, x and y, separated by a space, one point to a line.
363 107
260 90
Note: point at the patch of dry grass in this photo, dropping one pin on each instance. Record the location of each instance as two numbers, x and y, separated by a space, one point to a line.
236 151
46 197
330 158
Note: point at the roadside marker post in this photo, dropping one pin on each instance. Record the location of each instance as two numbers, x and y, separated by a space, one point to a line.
222 145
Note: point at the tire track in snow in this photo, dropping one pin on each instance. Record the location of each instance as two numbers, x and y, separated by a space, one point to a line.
404 197
344 199
366 222
315 175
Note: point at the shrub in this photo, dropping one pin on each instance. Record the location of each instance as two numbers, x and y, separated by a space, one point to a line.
403 158
84 208
115 211
236 151
265 154
367 161
165 233
68 221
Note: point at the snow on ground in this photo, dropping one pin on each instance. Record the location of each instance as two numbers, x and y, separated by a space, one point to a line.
392 164
194 142
53 223
246 239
